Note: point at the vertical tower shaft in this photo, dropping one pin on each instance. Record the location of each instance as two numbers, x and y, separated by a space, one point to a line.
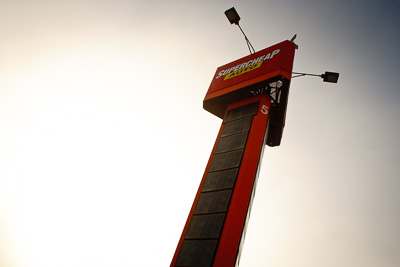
216 222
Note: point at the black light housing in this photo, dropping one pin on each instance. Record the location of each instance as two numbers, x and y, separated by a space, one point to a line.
232 16
330 77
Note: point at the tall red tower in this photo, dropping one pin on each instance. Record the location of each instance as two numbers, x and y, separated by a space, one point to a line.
250 96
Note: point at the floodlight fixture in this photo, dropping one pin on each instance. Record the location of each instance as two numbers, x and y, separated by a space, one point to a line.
330 77
234 18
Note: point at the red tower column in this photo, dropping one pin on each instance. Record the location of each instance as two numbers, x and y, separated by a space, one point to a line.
250 95
216 222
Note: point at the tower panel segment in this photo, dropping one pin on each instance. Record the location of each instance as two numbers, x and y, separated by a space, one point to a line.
213 230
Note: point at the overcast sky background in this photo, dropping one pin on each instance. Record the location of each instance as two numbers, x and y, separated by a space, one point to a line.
103 139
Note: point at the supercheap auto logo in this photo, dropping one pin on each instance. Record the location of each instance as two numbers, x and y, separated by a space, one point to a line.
247 66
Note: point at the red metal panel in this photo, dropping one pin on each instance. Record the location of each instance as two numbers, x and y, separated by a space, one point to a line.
278 57
229 239
236 216
245 77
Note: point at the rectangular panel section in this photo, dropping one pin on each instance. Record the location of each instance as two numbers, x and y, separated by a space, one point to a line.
213 202
226 160
237 126
241 112
197 253
220 180
232 142
205 226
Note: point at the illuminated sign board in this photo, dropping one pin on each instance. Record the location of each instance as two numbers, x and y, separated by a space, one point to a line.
234 80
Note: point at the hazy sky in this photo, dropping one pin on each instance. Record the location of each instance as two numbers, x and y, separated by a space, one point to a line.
104 141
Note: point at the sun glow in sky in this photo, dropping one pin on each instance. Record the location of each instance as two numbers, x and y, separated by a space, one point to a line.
103 139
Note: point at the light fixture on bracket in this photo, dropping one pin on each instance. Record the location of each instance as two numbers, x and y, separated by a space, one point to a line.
234 18
330 77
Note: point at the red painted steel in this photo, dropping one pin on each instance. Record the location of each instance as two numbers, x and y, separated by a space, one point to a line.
277 58
241 78
237 212
236 216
